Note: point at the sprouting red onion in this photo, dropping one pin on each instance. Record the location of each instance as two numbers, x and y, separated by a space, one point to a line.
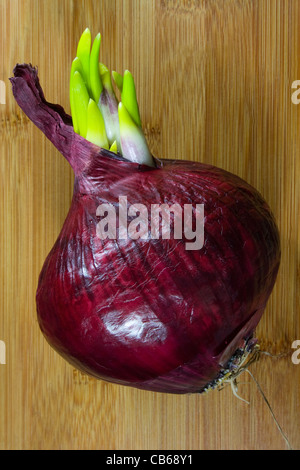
150 313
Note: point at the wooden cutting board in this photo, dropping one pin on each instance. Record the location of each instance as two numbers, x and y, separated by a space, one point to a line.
214 81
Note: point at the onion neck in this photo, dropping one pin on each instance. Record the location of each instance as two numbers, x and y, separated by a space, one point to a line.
85 157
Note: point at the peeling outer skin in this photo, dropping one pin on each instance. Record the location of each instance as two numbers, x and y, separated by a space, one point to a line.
149 313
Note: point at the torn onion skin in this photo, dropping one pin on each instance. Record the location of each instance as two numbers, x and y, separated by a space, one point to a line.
149 313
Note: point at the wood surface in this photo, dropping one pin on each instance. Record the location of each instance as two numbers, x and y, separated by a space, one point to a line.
214 82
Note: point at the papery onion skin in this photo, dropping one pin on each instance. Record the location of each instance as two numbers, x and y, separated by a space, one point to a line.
149 313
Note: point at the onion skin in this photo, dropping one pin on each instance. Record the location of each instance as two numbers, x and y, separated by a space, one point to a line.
149 313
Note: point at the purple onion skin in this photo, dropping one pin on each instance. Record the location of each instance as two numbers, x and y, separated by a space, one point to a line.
149 313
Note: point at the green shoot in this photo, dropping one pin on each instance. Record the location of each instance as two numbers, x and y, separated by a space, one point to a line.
109 106
129 99
95 126
105 77
81 101
95 79
133 142
76 66
83 53
118 79
114 147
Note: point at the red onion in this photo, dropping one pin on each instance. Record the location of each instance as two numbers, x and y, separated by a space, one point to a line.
149 313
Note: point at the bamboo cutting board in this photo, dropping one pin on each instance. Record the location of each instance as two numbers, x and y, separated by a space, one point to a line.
214 82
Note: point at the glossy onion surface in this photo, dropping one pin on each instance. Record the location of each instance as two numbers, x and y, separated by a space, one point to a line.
150 313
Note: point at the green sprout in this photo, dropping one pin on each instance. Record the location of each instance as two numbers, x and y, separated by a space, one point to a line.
95 79
96 113
118 79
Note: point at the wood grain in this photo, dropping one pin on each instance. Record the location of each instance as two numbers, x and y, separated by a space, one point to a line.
214 84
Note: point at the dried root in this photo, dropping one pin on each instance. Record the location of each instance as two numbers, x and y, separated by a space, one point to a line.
239 364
